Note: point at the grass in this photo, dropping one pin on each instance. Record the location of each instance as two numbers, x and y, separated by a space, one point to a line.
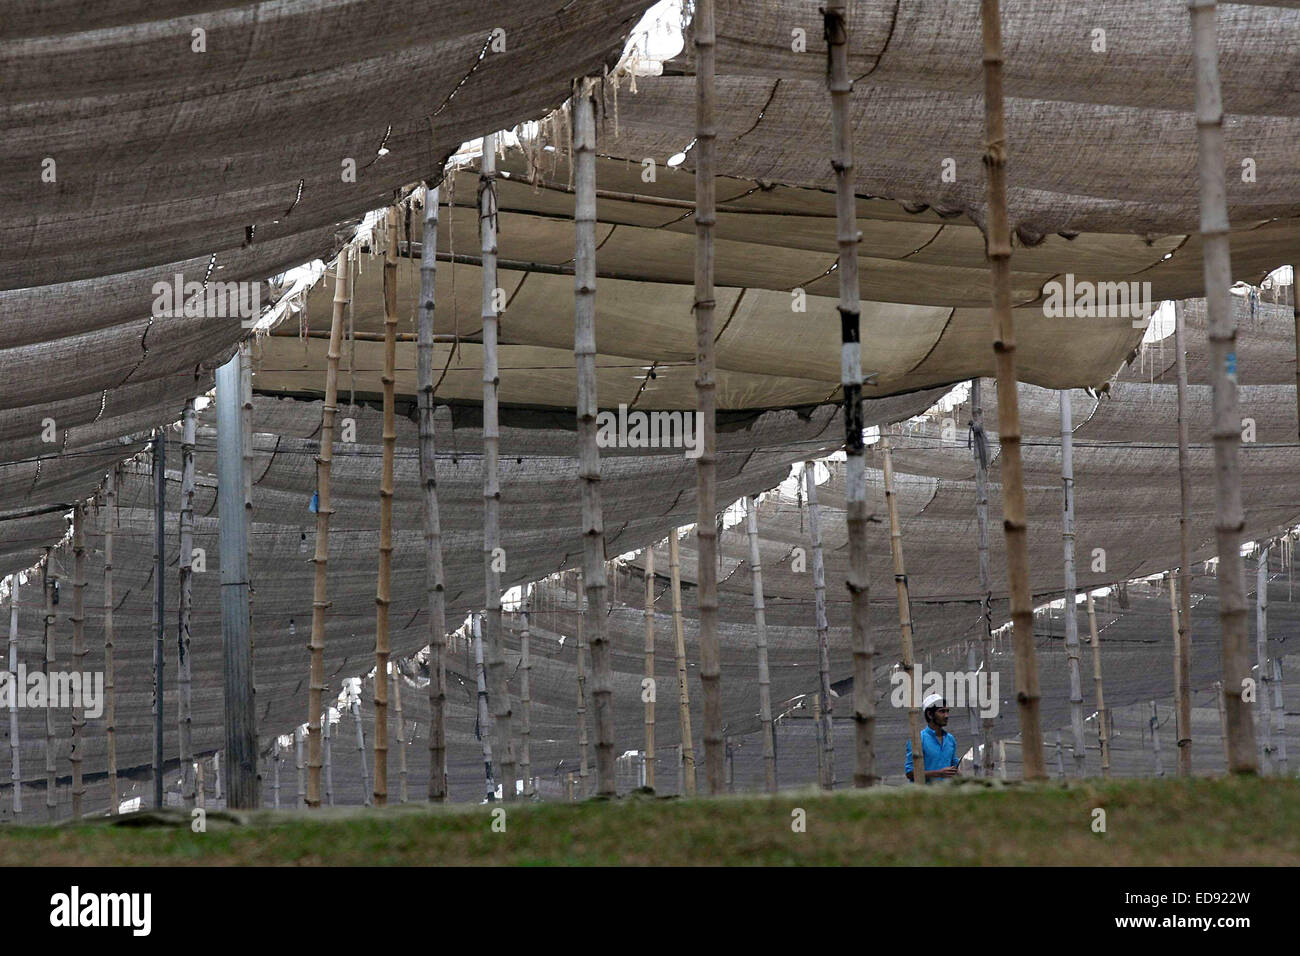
1218 822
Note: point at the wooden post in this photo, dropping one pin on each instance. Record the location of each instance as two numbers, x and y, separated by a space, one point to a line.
979 446
15 768
184 683
760 643
826 757
1155 739
1279 715
433 573
648 689
1183 663
320 558
382 645
584 353
275 774
526 700
705 397
297 757
327 753
687 747
484 720
904 616
840 83
110 687
1295 315
1229 518
396 679
361 745
1263 694
78 652
159 606
1004 348
493 556
1103 732
584 768
1179 689
1071 608
47 585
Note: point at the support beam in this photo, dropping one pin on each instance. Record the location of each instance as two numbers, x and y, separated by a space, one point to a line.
78 653
242 784
159 604
584 758
1155 740
184 684
1103 732
15 762
904 616
1004 348
1071 609
648 688
327 748
110 683
484 720
1226 429
980 448
526 698
1183 663
584 353
320 558
355 708
1263 693
826 758
686 749
434 587
1279 716
493 555
301 767
760 644
704 152
395 680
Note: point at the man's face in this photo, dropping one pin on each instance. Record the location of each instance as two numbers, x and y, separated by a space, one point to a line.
940 718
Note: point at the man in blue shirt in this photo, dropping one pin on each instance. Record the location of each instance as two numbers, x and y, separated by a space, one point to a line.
937 745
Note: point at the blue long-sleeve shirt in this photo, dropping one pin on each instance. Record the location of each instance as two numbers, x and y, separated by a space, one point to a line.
938 753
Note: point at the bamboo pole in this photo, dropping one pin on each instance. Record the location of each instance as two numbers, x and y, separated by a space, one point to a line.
904 615
584 353
200 798
1183 663
159 609
433 573
498 687
275 774
1071 608
1279 715
382 645
760 642
327 749
705 397
687 746
396 678
1174 620
15 768
526 698
1295 315
184 683
78 653
650 668
47 585
301 767
361 746
1103 733
1263 695
484 720
320 559
1155 740
584 767
1229 519
826 756
110 686
840 83
1002 759
979 446
1223 726
1004 348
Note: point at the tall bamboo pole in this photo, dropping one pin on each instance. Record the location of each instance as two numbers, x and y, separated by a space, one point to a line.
110 685
382 645
826 763
327 748
840 83
484 720
1179 689
1183 663
1295 315
78 652
184 684
584 353
396 680
1229 518
526 698
1279 715
47 585
298 762
904 615
275 774
1223 725
687 746
1004 347
760 642
1071 609
498 687
1155 740
584 762
320 559
433 575
979 446
650 668
361 746
1103 734
15 768
1263 695
705 397
159 602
